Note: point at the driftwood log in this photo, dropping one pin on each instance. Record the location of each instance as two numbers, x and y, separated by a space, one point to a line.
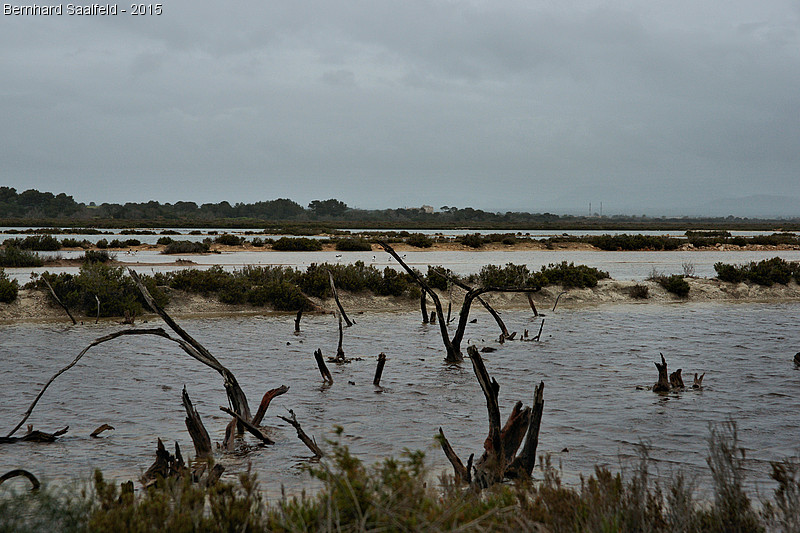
256 432
165 466
500 459
105 427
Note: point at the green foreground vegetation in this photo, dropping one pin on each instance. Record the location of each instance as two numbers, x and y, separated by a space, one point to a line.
399 495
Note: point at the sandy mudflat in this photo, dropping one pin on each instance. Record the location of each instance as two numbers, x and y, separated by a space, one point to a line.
34 305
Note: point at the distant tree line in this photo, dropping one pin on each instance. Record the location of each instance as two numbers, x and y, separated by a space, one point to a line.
47 208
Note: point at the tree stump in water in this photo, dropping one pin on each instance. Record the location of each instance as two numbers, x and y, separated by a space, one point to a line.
662 385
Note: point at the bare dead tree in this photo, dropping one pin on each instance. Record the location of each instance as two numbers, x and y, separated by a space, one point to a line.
58 300
452 346
336 298
423 306
310 443
340 358
500 460
533 305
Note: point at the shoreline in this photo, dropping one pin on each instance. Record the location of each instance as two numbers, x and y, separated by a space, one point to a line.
35 306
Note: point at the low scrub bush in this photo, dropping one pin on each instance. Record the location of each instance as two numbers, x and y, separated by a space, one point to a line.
419 240
11 257
473 240
675 284
97 256
186 247
353 245
75 243
766 272
163 241
8 288
633 242
229 240
297 244
38 243
112 285
639 292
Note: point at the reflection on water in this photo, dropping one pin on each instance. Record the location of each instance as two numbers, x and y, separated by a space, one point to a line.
591 361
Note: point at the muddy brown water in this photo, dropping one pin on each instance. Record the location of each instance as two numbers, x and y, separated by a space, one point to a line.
592 361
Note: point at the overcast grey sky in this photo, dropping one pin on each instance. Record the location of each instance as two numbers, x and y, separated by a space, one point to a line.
499 104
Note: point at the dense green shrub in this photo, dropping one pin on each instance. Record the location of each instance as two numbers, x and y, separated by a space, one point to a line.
675 284
353 245
38 243
633 242
297 244
11 256
419 240
163 241
473 240
127 243
437 277
8 288
766 272
227 239
639 292
97 256
115 289
75 243
102 244
186 247
570 275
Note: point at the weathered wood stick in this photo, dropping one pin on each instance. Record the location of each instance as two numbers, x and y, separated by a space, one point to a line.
698 381
526 460
423 306
662 385
308 441
100 340
379 370
20 472
96 433
336 297
58 300
462 473
97 319
197 431
675 379
235 393
514 430
533 305
257 433
265 401
339 349
539 335
323 368
492 462
432 318
297 321
560 294
229 443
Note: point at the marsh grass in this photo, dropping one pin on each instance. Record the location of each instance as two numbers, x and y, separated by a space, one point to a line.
400 495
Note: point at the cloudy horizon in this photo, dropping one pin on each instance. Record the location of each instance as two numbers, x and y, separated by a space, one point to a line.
500 105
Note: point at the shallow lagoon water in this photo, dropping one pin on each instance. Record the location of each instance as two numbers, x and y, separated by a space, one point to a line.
592 361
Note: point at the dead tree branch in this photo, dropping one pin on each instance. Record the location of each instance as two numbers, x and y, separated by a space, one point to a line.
20 472
265 401
379 369
462 473
257 433
297 321
105 427
58 300
323 368
308 441
235 394
336 297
